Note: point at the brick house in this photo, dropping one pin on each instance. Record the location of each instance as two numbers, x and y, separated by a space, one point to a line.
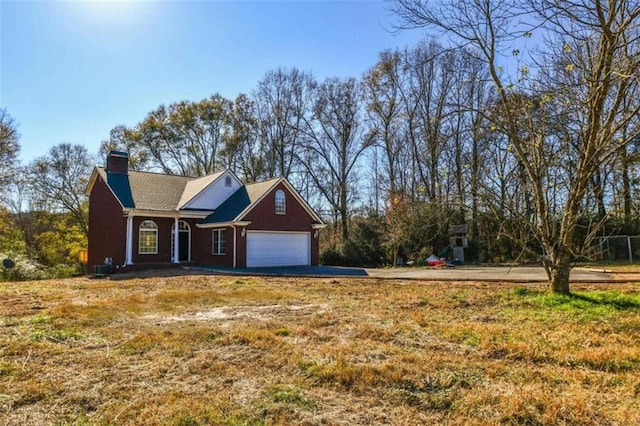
141 218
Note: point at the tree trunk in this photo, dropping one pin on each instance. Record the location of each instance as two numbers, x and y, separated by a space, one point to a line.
344 213
598 192
558 273
626 190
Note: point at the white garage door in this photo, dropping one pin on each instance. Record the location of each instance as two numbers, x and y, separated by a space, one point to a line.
278 248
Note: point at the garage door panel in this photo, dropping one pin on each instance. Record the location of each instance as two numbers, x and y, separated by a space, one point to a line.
278 248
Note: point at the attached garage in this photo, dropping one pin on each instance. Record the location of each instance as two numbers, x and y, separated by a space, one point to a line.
278 248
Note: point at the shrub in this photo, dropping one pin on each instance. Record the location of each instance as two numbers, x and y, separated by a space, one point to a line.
26 269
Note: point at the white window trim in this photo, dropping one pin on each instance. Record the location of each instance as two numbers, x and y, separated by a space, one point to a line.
284 202
140 230
213 240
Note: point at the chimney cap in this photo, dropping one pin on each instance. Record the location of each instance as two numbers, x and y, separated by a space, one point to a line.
114 153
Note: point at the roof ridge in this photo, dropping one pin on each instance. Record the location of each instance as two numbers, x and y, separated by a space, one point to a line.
263 181
162 174
168 174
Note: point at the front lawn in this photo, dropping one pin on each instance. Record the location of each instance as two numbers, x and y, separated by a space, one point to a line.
249 351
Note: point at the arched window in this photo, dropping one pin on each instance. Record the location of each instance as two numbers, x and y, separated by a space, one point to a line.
227 181
148 241
281 206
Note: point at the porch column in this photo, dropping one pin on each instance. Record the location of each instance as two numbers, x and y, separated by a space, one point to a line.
176 242
129 243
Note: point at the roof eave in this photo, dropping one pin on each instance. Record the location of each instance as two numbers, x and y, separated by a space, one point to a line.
224 224
201 214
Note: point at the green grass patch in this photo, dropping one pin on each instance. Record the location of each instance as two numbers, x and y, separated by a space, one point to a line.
56 336
589 304
5 369
282 332
288 394
41 319
590 301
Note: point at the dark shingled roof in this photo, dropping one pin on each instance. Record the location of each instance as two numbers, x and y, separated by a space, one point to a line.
154 191
239 201
230 208
120 186
143 190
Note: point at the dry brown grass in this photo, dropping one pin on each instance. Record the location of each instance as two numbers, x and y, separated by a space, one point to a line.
225 350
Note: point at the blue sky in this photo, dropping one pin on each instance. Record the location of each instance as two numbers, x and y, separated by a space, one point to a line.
70 71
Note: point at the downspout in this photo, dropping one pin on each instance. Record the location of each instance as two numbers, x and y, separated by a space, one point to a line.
234 245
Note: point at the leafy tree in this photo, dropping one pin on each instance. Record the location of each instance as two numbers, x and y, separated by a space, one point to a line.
186 138
11 239
121 138
59 240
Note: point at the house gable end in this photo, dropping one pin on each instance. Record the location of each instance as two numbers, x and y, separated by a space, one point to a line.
214 194
100 175
270 192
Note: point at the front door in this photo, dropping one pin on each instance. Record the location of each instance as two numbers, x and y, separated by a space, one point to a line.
183 243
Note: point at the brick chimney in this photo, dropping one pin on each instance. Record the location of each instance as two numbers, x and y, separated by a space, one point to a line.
117 162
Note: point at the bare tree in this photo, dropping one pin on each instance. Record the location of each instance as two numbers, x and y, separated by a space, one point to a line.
597 45
336 139
9 147
243 151
58 180
283 101
383 86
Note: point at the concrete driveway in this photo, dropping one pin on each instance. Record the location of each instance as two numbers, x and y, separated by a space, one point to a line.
461 273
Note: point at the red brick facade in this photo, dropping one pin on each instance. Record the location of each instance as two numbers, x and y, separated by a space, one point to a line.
263 217
107 226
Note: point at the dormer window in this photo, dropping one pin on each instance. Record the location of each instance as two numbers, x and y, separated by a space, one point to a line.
227 181
281 206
